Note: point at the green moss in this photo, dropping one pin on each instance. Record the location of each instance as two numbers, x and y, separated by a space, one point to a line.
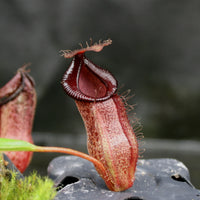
32 187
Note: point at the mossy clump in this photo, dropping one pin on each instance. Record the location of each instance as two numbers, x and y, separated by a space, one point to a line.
32 187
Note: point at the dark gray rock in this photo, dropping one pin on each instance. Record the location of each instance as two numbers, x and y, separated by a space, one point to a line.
156 179
12 167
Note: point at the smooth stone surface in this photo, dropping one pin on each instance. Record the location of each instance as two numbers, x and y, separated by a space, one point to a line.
155 179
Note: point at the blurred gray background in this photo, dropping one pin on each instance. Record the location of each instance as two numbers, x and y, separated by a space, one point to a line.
155 53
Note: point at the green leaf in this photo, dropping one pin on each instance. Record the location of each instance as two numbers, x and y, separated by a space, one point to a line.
7 144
